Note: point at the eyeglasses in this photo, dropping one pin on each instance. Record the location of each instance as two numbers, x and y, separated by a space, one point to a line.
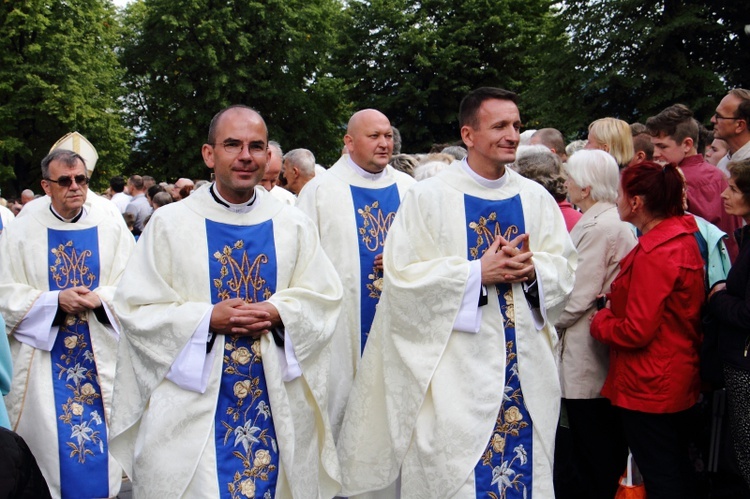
67 181
717 116
234 147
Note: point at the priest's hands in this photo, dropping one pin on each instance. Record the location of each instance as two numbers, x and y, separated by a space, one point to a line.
504 262
77 300
248 319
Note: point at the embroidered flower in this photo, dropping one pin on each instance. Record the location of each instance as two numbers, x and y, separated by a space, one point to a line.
81 432
96 417
248 488
513 415
242 389
70 320
88 390
498 443
264 409
521 454
245 435
256 348
77 373
241 356
262 458
71 342
502 474
76 409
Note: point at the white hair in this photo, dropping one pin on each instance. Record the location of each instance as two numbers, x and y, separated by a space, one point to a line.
595 169
429 169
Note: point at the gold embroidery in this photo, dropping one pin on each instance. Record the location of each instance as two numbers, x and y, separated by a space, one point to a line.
486 233
375 286
244 280
70 269
375 225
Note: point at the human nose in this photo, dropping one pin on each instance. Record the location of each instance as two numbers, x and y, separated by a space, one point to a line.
713 119
725 194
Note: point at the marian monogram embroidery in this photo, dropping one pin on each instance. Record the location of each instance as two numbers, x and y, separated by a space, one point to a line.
486 233
69 268
375 225
244 278
249 439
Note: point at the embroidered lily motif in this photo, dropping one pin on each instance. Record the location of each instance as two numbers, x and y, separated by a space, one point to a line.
246 435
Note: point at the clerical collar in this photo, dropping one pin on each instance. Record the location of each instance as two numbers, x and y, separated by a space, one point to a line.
364 173
233 207
485 182
81 215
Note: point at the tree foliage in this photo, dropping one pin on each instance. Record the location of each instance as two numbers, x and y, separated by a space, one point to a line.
414 61
58 73
187 59
631 58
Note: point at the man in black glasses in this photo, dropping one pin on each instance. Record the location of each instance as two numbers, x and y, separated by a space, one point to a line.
228 307
732 123
60 265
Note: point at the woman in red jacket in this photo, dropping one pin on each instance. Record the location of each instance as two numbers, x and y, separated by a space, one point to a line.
652 325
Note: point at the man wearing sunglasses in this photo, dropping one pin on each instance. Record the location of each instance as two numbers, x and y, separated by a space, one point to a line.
60 265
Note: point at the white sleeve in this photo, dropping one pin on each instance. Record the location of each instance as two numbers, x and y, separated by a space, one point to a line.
469 316
290 368
113 324
36 328
192 366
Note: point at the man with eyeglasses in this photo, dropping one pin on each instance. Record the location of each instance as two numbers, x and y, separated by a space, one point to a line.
60 265
674 134
353 205
731 124
222 368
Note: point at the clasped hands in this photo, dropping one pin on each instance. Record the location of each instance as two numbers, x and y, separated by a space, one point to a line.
237 317
78 300
505 262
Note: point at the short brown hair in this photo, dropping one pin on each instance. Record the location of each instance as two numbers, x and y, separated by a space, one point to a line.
740 172
676 122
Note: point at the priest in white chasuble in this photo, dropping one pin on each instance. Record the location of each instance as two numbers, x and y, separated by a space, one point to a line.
457 391
227 307
353 204
59 268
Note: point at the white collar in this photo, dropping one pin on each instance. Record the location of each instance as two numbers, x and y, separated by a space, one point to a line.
364 173
485 182
233 207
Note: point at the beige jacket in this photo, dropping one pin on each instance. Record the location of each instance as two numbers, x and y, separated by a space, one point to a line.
602 240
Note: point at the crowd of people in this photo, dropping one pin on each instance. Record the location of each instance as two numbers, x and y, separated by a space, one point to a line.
395 325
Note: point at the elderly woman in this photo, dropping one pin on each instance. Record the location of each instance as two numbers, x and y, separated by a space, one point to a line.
653 329
614 137
602 240
729 304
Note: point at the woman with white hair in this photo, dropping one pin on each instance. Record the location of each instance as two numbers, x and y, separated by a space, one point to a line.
602 240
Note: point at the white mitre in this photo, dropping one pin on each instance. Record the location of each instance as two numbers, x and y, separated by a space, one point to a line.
77 143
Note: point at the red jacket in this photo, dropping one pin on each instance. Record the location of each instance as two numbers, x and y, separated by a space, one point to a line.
653 326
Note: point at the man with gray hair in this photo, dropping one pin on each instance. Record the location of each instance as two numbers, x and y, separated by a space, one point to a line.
59 269
732 123
271 177
297 170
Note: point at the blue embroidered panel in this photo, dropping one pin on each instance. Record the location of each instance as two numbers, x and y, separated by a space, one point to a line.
505 469
242 264
374 210
82 436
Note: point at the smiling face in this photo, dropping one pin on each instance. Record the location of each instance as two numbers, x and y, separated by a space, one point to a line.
369 140
237 174
67 201
493 140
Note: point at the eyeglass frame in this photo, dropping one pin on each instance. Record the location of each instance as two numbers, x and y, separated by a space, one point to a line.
717 117
243 145
67 180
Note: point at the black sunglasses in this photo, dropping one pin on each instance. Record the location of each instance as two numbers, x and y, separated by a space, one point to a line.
66 181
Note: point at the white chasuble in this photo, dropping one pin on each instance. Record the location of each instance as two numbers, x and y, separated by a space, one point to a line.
61 392
427 399
237 438
353 215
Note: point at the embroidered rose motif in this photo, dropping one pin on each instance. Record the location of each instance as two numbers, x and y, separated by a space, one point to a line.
262 458
248 488
71 342
70 320
256 348
498 443
241 356
242 389
76 409
513 415
88 390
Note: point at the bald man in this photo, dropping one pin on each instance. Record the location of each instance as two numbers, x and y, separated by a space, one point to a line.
353 205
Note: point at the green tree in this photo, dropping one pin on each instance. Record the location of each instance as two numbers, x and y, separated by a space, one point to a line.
58 73
414 61
631 58
187 59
